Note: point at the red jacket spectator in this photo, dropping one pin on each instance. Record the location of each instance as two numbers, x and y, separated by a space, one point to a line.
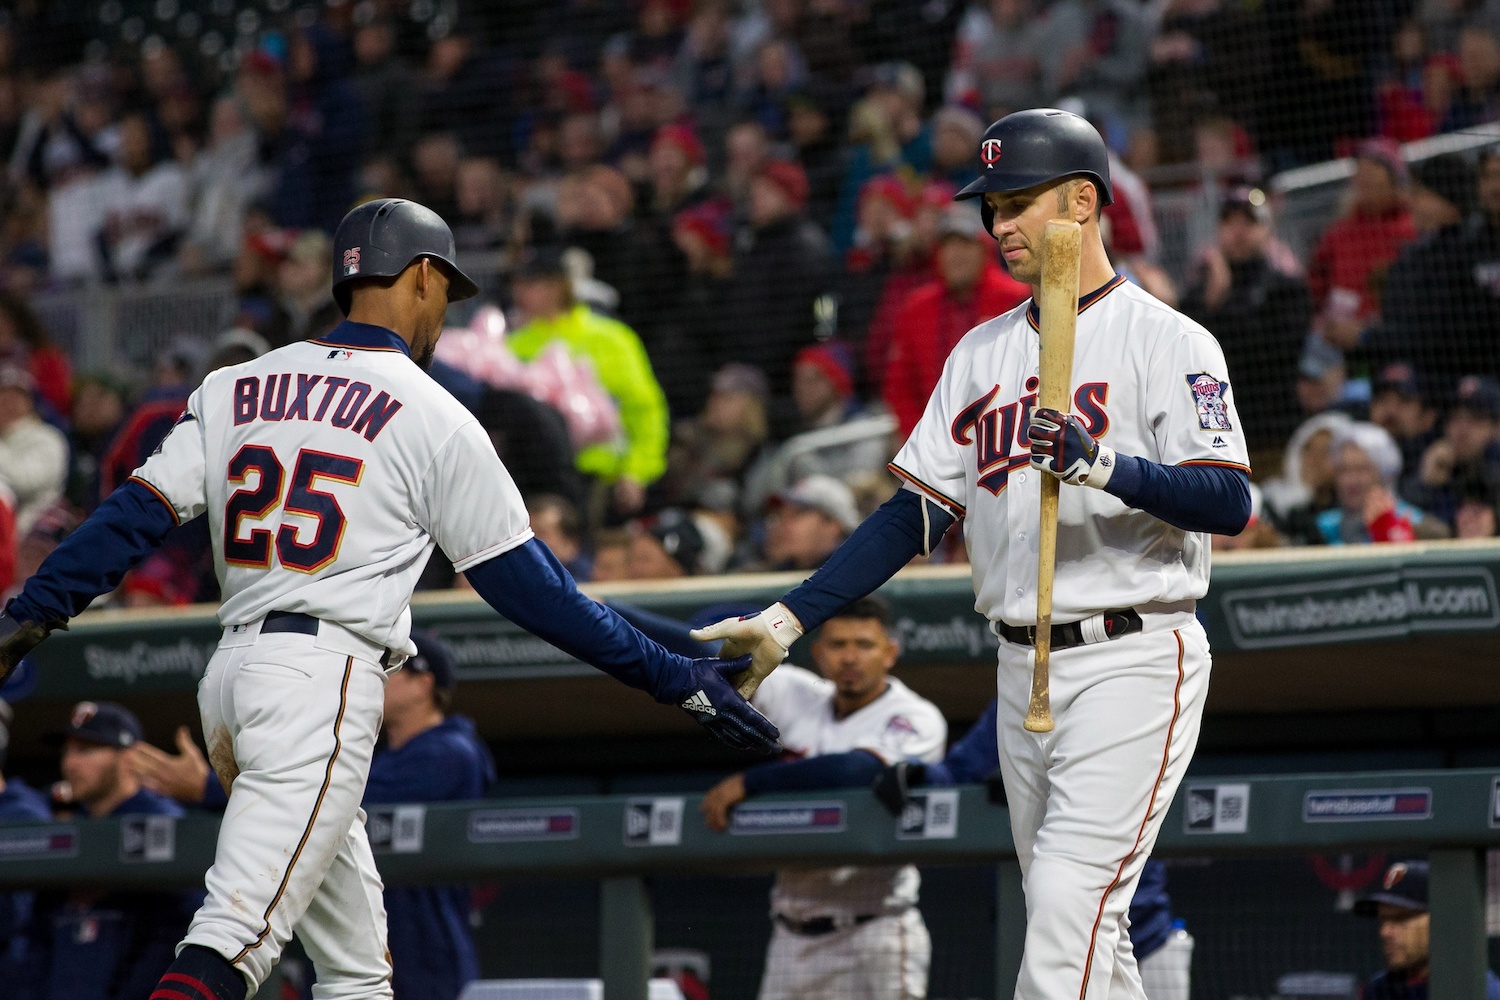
970 289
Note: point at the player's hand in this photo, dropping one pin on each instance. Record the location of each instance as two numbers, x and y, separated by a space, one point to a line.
720 802
765 637
893 786
1060 446
19 638
181 776
717 707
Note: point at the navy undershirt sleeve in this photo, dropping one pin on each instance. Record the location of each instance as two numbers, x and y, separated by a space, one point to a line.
531 588
1212 498
855 769
973 758
93 560
883 543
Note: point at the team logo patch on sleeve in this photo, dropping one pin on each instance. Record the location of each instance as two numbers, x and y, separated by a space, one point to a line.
1208 399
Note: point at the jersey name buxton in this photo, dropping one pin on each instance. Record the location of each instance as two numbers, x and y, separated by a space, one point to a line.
1148 382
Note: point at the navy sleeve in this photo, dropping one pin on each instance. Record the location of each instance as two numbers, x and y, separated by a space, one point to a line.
903 528
855 769
214 796
670 632
531 588
973 758
1212 498
92 560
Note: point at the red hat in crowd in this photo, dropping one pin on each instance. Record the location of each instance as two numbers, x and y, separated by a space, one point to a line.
684 139
1386 153
890 187
788 176
937 194
709 222
835 360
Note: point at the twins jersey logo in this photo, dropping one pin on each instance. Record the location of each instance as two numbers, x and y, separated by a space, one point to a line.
998 433
351 261
1208 398
989 152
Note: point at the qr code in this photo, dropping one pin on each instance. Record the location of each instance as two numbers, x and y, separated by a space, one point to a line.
1231 808
940 813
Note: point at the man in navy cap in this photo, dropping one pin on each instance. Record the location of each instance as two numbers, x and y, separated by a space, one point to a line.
108 945
19 803
1400 906
1466 456
1400 402
428 755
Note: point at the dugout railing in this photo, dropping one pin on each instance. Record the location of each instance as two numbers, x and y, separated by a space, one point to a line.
1451 816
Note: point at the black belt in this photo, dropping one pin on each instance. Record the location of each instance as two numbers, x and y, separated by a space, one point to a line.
296 621
818 926
1115 624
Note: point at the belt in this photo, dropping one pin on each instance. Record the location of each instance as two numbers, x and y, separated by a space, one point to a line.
1100 628
819 926
296 621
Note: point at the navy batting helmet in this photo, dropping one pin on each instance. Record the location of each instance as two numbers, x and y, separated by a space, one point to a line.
1036 146
381 238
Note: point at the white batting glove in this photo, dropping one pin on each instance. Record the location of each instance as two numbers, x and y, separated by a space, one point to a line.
766 637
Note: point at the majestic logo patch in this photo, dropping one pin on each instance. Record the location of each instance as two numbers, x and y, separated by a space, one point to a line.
83 712
351 261
1208 398
1395 874
989 152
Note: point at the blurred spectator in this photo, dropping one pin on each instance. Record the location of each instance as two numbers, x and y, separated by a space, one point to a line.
1318 48
718 445
806 523
809 115
679 177
1476 515
1468 452
885 131
1322 376
24 341
555 521
154 413
747 149
1097 50
846 931
304 301
531 438
997 58
970 289
544 296
1400 908
329 125
109 945
482 196
781 267
1421 312
390 89
676 543
1257 311
1305 487
611 556
434 162
955 136
1206 54
1349 263
682 337
224 179
33 453
1413 98
1399 403
428 754
146 211
98 409
596 212
19 803
837 436
703 72
1473 294
1476 99
1259 532
775 73
1366 468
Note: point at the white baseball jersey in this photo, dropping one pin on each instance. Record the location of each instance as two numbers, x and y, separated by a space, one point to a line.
328 470
899 725
1148 382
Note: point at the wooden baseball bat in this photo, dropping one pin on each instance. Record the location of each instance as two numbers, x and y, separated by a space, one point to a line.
1059 305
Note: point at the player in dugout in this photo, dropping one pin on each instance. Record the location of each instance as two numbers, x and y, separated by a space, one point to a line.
847 931
427 754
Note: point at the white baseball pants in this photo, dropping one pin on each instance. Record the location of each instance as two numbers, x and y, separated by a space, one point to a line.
1166 973
884 959
291 721
1087 799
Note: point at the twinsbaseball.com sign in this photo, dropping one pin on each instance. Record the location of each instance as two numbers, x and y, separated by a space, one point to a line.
1365 606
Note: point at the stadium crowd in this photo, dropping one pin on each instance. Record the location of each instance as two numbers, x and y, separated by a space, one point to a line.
721 260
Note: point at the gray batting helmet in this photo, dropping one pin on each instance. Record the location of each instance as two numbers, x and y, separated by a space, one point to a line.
381 238
1036 146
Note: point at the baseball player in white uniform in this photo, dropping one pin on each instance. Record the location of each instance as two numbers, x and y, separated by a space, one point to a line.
851 931
328 470
1154 460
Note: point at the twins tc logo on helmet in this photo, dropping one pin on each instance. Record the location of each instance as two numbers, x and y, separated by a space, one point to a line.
989 152
351 261
1208 398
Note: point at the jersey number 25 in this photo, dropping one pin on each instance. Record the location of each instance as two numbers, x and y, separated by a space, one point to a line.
254 550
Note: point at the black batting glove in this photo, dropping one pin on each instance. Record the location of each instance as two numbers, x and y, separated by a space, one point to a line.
17 638
715 705
893 786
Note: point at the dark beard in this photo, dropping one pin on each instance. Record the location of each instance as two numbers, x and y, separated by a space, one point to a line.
424 360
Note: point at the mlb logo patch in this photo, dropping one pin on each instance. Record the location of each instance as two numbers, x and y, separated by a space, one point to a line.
351 261
1208 400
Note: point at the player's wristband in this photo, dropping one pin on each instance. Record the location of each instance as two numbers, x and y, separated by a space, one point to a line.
1102 469
783 626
